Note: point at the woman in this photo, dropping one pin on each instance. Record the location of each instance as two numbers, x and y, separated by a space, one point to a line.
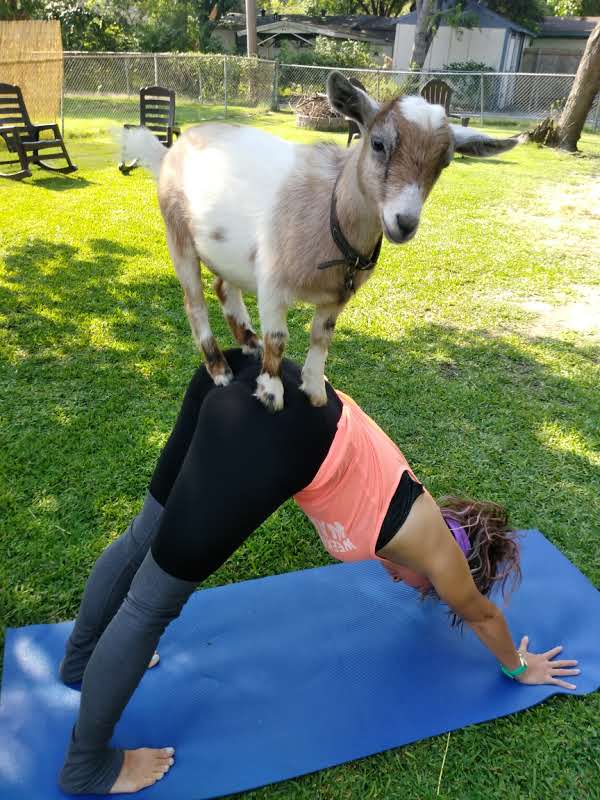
226 467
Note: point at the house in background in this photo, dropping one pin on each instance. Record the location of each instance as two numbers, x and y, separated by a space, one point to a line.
494 41
300 31
559 45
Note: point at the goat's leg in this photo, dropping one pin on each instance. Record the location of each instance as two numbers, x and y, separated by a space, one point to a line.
273 324
313 377
236 314
187 266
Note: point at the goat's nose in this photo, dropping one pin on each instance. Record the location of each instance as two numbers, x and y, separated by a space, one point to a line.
407 225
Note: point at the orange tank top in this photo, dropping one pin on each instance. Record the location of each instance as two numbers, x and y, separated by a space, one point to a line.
350 495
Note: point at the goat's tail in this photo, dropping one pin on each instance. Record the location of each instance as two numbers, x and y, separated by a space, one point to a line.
142 145
472 142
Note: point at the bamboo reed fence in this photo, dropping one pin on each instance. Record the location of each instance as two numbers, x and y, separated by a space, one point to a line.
31 56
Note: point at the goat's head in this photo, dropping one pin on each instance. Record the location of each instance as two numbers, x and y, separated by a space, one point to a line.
406 143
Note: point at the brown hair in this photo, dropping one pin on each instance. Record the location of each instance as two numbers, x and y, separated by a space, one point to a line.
495 553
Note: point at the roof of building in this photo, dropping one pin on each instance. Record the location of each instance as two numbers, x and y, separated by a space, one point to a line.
360 27
487 18
568 27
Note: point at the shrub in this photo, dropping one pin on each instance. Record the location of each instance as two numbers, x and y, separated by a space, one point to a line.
328 53
466 88
467 66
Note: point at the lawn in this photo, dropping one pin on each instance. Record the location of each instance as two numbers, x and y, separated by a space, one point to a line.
476 347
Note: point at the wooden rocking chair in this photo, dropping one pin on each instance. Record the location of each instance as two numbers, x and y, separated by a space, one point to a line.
22 137
438 92
157 113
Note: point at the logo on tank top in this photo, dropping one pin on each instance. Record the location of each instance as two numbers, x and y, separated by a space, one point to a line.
333 536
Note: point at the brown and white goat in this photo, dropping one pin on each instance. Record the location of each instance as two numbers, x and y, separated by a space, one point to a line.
255 209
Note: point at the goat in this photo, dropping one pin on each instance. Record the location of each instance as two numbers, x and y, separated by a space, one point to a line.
259 212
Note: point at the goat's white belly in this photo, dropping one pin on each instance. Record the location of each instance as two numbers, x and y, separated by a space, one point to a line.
233 257
231 186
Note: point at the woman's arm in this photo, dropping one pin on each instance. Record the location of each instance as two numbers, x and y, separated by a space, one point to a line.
426 546
432 551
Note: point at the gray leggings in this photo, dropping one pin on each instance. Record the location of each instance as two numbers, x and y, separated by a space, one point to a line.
127 604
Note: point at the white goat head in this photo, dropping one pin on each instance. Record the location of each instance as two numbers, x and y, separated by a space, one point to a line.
405 145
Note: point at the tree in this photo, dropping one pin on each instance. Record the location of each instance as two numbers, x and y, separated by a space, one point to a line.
329 53
377 8
19 9
183 26
566 132
168 27
528 13
430 15
207 13
574 8
581 97
91 25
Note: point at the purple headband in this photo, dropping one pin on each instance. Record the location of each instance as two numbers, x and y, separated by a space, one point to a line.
458 532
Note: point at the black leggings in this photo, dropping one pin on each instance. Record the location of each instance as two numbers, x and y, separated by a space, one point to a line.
226 467
229 464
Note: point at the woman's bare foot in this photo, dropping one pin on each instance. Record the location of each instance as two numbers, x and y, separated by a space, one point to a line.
142 768
154 661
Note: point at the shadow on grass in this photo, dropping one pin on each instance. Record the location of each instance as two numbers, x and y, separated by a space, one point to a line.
96 364
470 160
60 183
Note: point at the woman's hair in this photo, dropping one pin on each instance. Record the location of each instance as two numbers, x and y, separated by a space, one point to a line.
494 559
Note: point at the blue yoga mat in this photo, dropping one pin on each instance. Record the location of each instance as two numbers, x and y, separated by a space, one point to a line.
273 678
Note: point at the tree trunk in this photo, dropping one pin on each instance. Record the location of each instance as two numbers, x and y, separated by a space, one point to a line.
251 27
424 33
581 96
377 8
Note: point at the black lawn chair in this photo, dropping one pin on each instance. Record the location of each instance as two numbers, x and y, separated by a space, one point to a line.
22 137
438 92
157 113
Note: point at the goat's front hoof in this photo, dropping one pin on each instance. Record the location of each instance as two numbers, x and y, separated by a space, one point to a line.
269 390
253 347
221 373
315 391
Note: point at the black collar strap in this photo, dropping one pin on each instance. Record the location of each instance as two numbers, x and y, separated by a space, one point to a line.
352 260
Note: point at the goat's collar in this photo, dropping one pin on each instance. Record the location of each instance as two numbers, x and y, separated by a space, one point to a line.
352 260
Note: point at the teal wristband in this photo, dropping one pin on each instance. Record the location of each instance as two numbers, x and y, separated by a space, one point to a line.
514 673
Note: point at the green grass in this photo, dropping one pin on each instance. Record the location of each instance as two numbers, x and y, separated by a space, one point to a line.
95 354
88 116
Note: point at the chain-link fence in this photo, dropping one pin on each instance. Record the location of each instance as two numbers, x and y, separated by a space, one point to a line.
488 96
106 86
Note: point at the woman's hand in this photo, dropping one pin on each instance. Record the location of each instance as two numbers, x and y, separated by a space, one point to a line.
541 668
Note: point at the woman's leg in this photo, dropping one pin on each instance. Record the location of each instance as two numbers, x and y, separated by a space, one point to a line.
106 588
173 453
111 676
113 572
241 465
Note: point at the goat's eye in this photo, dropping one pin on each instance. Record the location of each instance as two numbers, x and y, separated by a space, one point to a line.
377 144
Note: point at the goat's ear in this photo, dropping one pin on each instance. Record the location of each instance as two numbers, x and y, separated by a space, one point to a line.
470 142
350 101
